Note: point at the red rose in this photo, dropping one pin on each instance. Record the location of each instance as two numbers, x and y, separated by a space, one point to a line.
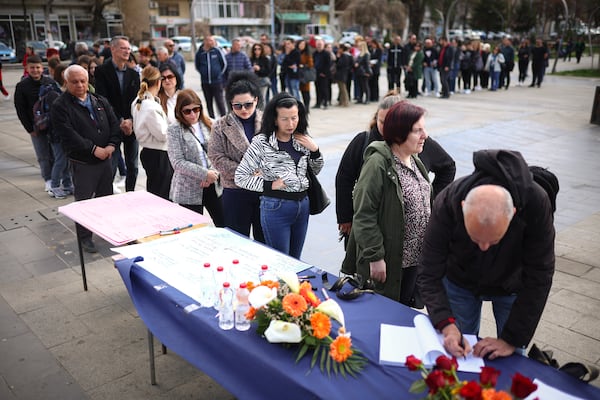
488 376
435 380
413 363
445 363
471 391
522 386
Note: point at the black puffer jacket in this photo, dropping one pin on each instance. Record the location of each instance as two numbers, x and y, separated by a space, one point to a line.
522 263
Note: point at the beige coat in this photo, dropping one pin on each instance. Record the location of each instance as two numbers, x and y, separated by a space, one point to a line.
227 146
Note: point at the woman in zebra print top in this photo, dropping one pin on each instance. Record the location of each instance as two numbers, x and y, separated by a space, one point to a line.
275 164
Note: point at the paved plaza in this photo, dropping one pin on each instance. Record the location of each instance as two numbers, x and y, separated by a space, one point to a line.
59 342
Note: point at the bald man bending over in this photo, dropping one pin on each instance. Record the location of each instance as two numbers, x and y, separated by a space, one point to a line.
490 238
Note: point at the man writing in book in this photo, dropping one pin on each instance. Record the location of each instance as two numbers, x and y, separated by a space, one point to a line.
490 238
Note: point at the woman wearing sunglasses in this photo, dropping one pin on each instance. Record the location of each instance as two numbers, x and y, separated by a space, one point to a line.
150 125
275 165
171 85
231 136
195 183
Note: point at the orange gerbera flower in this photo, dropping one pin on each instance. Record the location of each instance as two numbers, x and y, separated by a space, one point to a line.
270 284
251 313
341 348
321 325
308 294
492 394
294 304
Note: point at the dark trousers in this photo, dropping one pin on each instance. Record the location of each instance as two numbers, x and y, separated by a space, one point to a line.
89 181
538 70
243 212
130 153
306 99
374 87
394 75
322 89
214 92
159 171
444 75
504 78
213 204
364 89
523 70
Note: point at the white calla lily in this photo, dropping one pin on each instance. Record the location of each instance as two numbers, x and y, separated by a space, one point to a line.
332 309
262 295
291 279
283 332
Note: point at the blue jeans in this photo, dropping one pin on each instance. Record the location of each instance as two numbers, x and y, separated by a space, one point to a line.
242 212
292 85
466 308
495 79
60 168
430 75
284 224
43 153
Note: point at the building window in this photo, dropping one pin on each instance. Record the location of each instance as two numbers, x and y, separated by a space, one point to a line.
220 9
168 10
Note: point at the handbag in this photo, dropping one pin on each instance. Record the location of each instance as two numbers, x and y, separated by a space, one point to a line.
317 198
307 75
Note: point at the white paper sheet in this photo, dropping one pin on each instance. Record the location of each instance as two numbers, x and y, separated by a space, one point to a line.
546 392
179 259
398 342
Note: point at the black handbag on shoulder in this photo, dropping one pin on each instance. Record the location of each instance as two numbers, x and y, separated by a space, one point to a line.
317 197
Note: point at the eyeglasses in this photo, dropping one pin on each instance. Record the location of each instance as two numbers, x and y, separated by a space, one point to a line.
247 105
188 111
167 77
125 48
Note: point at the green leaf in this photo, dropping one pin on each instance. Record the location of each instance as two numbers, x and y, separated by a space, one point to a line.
418 386
315 356
302 352
324 354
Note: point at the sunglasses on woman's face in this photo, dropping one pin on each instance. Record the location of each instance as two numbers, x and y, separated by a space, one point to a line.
167 77
247 105
188 111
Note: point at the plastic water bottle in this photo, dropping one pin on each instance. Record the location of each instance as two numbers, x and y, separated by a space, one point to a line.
241 322
226 313
220 278
207 287
265 274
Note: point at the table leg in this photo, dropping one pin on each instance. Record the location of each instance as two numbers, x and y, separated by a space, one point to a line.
82 263
151 356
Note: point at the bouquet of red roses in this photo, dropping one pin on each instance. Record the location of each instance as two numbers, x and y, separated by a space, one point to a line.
443 383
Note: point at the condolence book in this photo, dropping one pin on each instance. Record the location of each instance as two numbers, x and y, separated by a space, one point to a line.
398 342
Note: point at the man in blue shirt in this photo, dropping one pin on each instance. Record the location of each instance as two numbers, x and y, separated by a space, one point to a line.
211 64
237 60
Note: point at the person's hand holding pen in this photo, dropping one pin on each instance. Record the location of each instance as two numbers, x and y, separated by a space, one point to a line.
454 342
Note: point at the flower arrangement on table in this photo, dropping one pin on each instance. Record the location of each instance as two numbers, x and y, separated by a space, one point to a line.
443 383
290 312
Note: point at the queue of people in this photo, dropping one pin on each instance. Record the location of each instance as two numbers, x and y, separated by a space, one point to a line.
446 245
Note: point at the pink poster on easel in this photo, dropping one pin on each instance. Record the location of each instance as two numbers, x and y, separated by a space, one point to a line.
124 218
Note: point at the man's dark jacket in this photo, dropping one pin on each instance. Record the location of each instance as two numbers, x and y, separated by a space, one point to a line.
522 263
26 94
107 85
80 134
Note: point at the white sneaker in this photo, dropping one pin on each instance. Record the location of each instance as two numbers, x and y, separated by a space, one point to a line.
467 91
120 181
478 87
57 193
426 93
48 186
7 97
116 190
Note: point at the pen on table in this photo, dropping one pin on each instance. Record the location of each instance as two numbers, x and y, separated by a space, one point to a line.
171 232
462 341
306 277
176 230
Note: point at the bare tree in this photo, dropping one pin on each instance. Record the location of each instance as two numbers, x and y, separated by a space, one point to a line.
389 14
98 17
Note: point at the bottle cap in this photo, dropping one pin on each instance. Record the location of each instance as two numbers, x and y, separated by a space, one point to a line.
264 267
206 265
219 268
236 261
225 284
243 285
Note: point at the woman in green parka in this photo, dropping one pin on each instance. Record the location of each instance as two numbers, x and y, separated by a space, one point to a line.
392 203
414 71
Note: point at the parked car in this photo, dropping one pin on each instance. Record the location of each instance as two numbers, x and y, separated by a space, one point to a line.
7 54
183 43
38 47
348 37
222 42
55 44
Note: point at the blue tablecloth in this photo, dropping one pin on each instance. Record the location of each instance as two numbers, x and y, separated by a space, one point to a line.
251 368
